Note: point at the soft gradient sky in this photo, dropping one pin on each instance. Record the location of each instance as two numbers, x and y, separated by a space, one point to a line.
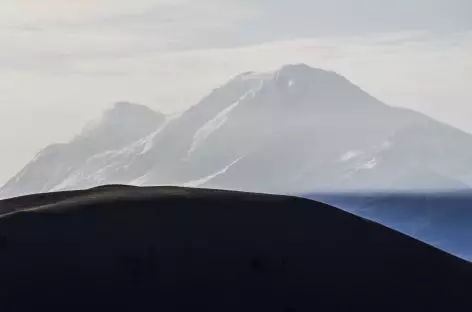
63 62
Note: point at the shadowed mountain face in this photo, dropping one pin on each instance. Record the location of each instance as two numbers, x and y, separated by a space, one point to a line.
298 129
175 249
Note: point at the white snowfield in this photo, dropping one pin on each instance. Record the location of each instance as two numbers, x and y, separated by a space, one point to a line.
202 181
207 129
350 155
290 143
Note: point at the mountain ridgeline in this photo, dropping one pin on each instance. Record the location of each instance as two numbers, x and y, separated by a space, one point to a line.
122 248
298 129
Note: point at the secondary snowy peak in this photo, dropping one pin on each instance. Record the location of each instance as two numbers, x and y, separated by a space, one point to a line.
297 128
119 126
65 164
125 120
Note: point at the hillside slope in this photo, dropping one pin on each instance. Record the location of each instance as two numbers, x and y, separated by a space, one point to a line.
176 249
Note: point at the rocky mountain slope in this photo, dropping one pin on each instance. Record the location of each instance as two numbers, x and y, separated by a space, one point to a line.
298 129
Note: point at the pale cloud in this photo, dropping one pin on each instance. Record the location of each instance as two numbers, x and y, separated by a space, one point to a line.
27 11
42 34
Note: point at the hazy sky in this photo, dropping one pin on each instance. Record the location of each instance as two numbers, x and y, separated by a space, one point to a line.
63 62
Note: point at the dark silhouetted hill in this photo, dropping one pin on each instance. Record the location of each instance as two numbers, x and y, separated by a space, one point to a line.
121 248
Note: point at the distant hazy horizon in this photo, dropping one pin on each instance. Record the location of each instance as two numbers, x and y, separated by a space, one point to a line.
64 63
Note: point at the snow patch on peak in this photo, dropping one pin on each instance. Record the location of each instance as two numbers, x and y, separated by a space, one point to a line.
369 165
214 124
199 182
140 181
211 126
148 141
350 155
71 181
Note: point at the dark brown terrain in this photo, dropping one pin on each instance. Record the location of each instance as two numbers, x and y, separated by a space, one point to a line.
174 249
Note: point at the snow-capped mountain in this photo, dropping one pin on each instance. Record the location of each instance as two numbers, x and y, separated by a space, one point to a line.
298 129
60 166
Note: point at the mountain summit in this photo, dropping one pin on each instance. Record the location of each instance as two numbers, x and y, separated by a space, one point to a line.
118 127
297 129
123 121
